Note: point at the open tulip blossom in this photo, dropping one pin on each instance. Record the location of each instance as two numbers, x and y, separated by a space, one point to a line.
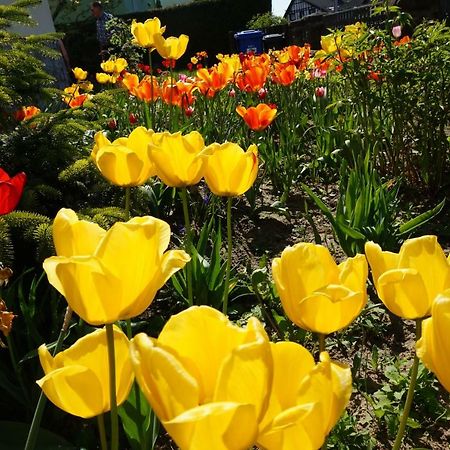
125 161
77 379
317 294
217 386
118 272
407 282
11 189
257 117
144 33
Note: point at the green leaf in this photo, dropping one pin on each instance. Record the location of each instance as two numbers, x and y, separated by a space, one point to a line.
139 421
421 219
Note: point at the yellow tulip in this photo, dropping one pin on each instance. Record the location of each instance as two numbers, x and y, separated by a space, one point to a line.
433 348
229 170
79 73
316 293
407 282
172 47
306 399
104 78
126 161
144 33
120 64
114 65
207 380
122 272
77 379
175 157
108 66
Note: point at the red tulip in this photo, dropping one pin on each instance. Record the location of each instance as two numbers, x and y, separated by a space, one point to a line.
10 190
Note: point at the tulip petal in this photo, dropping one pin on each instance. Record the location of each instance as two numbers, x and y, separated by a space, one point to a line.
76 390
404 293
218 426
74 237
246 375
291 363
184 335
289 431
90 289
167 385
330 309
379 260
433 348
426 256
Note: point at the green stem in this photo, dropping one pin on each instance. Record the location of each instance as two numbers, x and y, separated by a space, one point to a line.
39 411
171 98
112 387
227 276
101 431
152 124
410 395
127 202
188 244
321 342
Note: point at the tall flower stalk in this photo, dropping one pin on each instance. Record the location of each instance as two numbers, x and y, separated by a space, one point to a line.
410 395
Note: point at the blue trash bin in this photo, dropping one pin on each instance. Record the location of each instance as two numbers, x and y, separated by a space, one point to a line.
249 41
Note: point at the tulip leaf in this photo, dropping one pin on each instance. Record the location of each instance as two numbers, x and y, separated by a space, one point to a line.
421 219
139 422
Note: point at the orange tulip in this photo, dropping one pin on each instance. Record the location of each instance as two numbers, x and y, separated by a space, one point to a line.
213 80
251 80
26 112
143 90
284 74
257 117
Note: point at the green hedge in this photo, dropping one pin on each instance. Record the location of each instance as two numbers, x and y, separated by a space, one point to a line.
209 25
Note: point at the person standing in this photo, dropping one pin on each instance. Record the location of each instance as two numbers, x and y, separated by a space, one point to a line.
103 34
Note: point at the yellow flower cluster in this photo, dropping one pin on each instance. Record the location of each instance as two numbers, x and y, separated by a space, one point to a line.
150 35
178 160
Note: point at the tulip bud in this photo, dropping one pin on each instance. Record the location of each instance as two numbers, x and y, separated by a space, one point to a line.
189 111
132 118
112 124
262 93
397 31
321 91
232 93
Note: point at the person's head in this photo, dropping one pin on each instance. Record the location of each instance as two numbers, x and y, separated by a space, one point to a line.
96 9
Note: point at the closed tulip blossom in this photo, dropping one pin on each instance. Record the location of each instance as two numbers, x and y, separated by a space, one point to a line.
11 189
433 348
306 400
77 379
229 170
171 48
111 275
144 33
207 380
408 282
317 294
125 161
176 157
257 117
